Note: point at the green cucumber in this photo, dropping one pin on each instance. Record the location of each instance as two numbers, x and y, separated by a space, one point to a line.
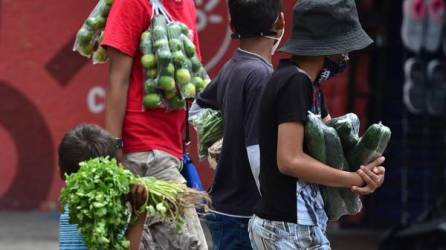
371 146
347 127
314 137
333 202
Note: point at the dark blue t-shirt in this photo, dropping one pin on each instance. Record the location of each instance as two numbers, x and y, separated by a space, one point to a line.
236 93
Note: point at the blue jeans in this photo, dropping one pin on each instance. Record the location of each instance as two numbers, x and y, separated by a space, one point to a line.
228 233
277 235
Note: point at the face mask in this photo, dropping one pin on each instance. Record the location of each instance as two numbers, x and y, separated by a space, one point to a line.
332 68
277 40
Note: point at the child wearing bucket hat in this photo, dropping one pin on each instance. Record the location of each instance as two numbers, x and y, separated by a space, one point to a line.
290 214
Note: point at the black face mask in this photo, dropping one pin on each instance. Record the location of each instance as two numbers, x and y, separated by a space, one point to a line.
332 68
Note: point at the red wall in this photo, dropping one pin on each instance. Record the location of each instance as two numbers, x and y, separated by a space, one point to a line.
46 89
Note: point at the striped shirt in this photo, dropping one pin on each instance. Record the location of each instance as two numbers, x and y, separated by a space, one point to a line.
69 236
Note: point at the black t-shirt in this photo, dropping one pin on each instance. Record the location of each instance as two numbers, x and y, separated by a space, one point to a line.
236 92
286 98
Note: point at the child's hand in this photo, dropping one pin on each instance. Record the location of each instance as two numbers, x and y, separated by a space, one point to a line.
138 196
373 176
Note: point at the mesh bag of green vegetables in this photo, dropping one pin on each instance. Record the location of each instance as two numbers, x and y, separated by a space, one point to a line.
331 144
89 36
323 144
209 126
173 71
95 198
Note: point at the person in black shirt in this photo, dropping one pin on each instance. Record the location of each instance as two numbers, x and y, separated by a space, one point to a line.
290 214
236 91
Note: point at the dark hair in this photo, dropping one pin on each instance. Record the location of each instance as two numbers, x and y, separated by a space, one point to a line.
250 18
82 143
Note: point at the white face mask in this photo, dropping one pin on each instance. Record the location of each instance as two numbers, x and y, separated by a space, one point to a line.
276 39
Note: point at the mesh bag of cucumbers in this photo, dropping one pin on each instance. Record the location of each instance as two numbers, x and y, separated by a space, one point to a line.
89 36
338 145
173 72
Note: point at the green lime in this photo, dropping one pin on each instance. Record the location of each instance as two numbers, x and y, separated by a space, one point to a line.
196 64
146 35
178 58
109 2
86 50
166 83
105 10
189 48
175 45
152 101
170 94
199 83
177 103
152 73
150 86
84 36
183 76
100 55
148 61
188 90
170 69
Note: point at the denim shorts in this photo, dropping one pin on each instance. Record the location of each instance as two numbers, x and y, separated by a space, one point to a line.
276 235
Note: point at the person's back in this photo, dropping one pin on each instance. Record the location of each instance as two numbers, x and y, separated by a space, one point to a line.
236 88
141 129
152 139
235 92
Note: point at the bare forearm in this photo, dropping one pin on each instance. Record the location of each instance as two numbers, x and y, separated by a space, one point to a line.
116 103
134 232
310 170
115 108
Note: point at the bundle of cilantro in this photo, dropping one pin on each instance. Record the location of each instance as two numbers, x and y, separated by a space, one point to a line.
95 198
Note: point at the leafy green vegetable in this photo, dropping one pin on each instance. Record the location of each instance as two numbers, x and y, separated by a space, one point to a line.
209 126
95 197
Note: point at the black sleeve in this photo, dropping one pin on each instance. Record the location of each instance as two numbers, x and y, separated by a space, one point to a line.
294 100
253 89
208 98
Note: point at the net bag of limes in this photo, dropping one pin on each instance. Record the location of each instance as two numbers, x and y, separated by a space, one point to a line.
173 72
95 198
89 36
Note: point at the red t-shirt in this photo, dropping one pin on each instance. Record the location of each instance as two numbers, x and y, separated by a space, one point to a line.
145 130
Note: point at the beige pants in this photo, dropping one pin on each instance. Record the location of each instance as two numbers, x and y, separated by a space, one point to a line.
164 166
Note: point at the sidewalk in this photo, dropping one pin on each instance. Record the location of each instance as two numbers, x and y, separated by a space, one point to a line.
38 231
28 231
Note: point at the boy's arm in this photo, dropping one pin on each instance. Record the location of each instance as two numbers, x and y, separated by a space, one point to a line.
138 197
292 161
116 100
125 24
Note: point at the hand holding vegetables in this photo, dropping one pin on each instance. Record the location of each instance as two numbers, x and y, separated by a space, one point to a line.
372 175
138 197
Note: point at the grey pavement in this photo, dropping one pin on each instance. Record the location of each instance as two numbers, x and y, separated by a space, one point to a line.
38 231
